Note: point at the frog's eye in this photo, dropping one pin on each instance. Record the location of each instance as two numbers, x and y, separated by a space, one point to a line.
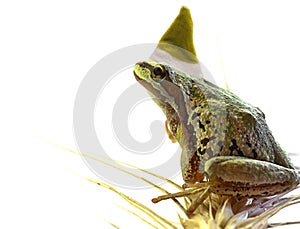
159 72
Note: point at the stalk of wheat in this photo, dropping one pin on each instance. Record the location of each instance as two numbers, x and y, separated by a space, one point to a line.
216 212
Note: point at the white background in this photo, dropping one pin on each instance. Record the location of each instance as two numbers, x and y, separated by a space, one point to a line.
47 48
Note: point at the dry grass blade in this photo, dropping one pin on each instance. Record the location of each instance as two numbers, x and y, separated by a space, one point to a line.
138 216
273 225
104 161
157 218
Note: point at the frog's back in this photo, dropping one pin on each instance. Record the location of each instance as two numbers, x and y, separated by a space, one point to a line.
230 127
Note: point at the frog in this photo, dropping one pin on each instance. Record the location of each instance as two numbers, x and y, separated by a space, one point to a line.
225 141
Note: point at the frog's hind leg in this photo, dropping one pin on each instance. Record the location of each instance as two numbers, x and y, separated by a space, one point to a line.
170 135
242 176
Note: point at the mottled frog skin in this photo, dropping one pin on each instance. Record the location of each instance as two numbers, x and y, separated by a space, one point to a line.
221 136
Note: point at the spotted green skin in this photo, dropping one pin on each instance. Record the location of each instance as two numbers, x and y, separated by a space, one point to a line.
221 136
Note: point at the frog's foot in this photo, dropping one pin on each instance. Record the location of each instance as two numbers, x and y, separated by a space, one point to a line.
184 193
238 176
201 191
198 201
170 135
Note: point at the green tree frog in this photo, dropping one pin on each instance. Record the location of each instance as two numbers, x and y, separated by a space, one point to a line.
223 138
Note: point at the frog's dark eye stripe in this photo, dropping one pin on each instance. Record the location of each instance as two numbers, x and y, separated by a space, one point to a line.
159 72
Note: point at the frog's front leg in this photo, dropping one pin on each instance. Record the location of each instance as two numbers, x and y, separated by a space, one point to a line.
248 177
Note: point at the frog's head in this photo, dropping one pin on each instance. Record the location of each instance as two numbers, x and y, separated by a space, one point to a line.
159 79
151 72
169 88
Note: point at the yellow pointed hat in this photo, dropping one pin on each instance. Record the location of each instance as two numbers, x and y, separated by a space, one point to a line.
180 34
176 46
